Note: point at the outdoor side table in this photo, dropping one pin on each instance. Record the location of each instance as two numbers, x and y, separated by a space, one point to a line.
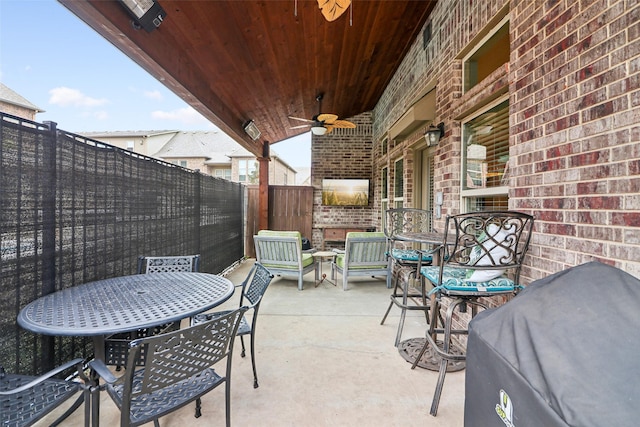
320 256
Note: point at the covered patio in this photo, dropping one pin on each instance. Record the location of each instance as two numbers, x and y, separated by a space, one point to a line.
549 128
323 359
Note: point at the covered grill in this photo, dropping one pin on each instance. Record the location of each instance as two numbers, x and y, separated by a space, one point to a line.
564 352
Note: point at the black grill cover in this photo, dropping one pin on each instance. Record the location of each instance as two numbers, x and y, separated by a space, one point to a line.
564 352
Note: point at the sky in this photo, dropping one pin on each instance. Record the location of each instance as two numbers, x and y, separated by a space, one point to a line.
85 84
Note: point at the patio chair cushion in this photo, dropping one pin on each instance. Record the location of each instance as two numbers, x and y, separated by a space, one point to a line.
489 248
340 263
454 279
307 259
409 255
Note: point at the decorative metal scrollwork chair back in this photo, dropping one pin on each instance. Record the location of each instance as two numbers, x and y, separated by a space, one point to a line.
484 261
403 263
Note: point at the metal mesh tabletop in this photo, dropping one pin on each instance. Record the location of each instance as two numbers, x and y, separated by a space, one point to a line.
124 303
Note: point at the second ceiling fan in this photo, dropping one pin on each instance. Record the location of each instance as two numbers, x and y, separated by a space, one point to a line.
322 124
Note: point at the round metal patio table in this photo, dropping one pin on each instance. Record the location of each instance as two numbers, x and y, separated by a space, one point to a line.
122 304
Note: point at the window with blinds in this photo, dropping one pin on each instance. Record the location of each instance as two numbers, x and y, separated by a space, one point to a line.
486 145
485 164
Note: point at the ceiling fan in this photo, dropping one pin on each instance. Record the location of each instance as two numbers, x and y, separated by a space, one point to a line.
322 124
332 9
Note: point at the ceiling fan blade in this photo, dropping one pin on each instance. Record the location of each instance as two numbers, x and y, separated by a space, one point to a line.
329 128
344 124
327 118
300 127
332 9
301 119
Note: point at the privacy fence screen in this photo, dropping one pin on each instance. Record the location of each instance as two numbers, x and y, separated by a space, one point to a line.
74 210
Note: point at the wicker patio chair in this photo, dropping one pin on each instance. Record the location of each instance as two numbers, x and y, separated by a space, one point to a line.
409 293
252 292
25 399
117 345
178 369
484 261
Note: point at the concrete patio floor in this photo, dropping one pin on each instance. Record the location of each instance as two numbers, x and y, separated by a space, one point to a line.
323 359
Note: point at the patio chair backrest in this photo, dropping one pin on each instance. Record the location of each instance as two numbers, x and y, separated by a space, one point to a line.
495 240
179 355
168 264
254 290
406 220
25 399
365 249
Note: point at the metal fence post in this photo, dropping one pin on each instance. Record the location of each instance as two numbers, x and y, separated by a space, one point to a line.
197 209
49 234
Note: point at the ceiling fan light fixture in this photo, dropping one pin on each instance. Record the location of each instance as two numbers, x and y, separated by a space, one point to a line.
318 130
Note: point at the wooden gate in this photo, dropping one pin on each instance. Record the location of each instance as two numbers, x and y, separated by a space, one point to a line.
290 208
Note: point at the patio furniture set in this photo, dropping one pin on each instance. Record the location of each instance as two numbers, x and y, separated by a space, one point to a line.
134 322
478 257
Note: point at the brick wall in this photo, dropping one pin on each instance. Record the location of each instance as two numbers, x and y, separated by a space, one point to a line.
342 154
575 93
574 88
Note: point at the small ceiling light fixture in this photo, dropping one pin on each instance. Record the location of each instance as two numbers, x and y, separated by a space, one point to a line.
318 130
147 14
252 130
433 134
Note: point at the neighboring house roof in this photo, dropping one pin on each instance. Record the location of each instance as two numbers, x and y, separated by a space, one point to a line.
215 146
127 133
11 97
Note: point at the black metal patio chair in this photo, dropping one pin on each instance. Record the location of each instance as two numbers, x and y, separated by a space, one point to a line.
117 345
409 292
178 369
26 399
482 258
252 292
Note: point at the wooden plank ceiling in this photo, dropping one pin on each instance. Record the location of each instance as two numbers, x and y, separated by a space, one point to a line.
266 60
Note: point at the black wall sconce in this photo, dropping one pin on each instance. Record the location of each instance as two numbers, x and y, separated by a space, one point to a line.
147 14
433 134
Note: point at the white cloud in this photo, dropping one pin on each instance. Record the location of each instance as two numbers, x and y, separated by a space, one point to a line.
66 97
185 115
98 115
153 94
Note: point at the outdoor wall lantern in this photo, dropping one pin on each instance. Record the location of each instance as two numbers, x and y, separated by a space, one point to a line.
252 130
433 134
147 14
318 130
